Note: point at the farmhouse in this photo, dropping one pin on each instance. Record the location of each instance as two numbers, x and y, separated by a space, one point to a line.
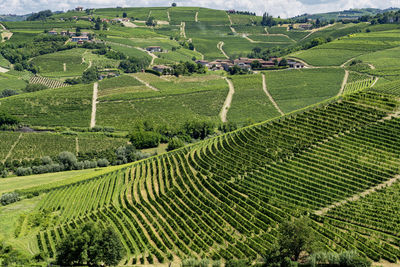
161 68
204 63
305 26
79 39
78 8
295 65
153 49
64 33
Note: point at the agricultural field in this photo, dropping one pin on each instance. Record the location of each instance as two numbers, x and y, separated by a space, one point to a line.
68 106
307 182
297 89
249 102
52 65
319 144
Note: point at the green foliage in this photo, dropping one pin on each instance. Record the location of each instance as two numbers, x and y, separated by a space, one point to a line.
90 245
175 143
133 65
9 198
90 75
6 119
144 139
199 129
34 87
343 259
67 159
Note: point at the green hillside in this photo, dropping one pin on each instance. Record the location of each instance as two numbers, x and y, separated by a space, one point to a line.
199 163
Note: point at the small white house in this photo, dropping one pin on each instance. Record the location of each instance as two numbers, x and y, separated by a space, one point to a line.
153 49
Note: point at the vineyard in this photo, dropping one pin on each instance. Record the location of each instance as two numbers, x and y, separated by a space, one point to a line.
223 198
50 83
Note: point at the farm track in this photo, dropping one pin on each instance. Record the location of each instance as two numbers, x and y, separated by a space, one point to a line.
153 57
147 84
228 100
77 145
195 17
230 20
3 70
358 196
346 76
169 17
12 148
315 30
233 29
183 33
94 105
264 82
219 46
65 67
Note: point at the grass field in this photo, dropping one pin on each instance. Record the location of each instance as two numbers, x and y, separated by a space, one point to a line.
52 65
68 106
249 101
296 89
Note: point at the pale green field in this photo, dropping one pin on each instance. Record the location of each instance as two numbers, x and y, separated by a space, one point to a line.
25 182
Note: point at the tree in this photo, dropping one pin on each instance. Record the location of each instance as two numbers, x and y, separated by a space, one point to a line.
90 245
295 237
283 63
67 159
173 5
150 22
9 198
144 139
256 64
8 92
175 143
124 15
90 75
34 87
6 119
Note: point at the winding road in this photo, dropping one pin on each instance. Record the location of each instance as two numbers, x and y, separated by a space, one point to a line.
94 104
219 45
228 100
264 83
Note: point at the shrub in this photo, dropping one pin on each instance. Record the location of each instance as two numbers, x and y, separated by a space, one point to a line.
143 139
102 163
67 159
21 171
9 198
6 119
35 87
175 143
8 92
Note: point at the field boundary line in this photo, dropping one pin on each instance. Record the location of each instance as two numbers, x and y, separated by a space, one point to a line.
219 46
12 148
228 100
147 84
346 76
94 105
264 83
315 30
358 196
77 145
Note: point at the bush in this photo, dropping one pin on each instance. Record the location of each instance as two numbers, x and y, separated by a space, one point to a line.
6 119
21 171
35 87
9 198
8 92
142 139
175 143
133 65
68 160
102 163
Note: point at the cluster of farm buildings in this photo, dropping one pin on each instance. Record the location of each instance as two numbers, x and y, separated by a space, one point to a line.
246 63
243 63
82 37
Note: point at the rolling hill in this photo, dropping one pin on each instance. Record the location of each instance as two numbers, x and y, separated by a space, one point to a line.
320 142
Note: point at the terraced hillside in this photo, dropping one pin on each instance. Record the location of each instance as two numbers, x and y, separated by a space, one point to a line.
224 197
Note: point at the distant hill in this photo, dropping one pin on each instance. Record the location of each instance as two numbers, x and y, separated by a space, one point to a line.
10 17
347 14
